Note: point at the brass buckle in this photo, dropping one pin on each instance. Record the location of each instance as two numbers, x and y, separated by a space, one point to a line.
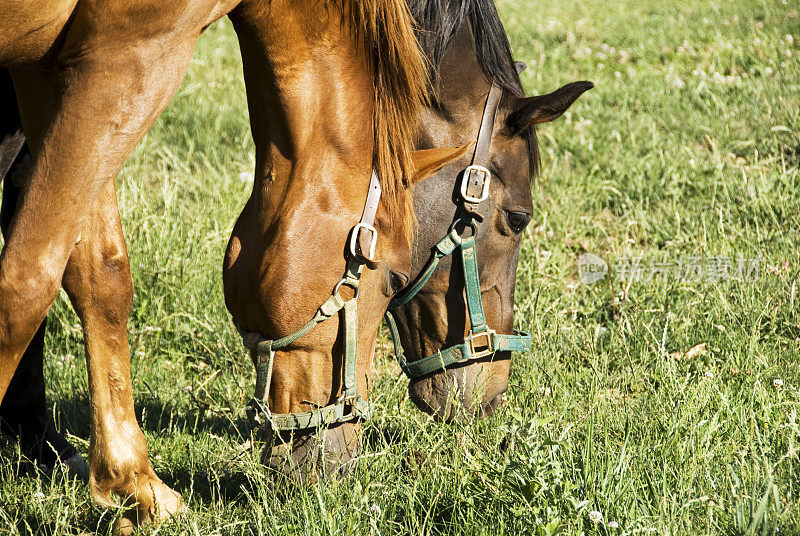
475 184
485 349
355 250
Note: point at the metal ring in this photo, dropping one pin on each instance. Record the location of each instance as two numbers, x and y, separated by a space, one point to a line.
471 223
352 284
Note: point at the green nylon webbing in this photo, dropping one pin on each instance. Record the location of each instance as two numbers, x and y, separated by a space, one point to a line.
350 348
472 286
518 342
258 409
443 248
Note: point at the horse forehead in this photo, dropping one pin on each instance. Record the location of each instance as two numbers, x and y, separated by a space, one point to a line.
509 155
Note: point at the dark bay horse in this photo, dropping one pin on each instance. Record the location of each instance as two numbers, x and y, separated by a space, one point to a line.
470 54
333 91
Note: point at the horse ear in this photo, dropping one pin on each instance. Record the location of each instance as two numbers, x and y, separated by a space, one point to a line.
429 161
544 108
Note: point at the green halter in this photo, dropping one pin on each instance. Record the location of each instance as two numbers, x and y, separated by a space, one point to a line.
349 406
481 341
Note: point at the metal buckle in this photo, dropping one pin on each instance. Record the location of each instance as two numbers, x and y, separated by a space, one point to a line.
355 233
475 184
488 348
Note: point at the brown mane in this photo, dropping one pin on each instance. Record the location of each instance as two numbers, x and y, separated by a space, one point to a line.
387 27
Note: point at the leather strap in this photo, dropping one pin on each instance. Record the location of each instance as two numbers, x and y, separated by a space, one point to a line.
364 233
481 155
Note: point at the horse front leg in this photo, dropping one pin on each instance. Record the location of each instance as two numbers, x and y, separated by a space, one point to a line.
24 412
98 281
103 104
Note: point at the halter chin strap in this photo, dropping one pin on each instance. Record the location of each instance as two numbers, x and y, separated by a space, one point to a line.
481 341
349 406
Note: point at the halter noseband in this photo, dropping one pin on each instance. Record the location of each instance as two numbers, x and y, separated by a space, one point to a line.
349 406
481 341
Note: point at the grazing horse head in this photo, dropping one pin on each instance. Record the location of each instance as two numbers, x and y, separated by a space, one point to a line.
334 92
467 43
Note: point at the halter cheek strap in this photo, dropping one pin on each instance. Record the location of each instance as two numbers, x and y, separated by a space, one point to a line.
481 341
349 406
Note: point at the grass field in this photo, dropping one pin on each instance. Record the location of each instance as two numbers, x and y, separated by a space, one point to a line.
688 146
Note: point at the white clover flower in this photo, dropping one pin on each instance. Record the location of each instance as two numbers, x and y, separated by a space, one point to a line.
595 516
613 525
777 384
709 375
38 495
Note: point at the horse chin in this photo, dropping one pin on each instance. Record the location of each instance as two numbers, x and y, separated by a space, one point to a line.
307 457
453 395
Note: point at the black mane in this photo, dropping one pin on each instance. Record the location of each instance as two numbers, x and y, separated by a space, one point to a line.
439 20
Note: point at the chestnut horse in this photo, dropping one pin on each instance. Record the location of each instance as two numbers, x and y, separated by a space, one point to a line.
476 94
333 89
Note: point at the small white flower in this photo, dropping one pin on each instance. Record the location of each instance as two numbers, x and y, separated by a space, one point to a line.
613 525
158 457
777 384
595 516
769 71
375 509
709 375
39 496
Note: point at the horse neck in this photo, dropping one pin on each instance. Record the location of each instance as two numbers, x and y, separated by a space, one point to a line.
310 95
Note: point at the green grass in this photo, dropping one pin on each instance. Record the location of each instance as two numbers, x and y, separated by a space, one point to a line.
689 145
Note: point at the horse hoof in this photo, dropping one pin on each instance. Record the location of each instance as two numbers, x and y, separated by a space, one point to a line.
157 504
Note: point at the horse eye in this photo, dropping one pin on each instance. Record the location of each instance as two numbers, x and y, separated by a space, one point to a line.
397 281
517 220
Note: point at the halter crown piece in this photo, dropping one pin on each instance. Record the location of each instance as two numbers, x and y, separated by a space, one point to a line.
481 341
349 406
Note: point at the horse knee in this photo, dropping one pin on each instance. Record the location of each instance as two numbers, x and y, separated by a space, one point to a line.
118 280
26 293
100 274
